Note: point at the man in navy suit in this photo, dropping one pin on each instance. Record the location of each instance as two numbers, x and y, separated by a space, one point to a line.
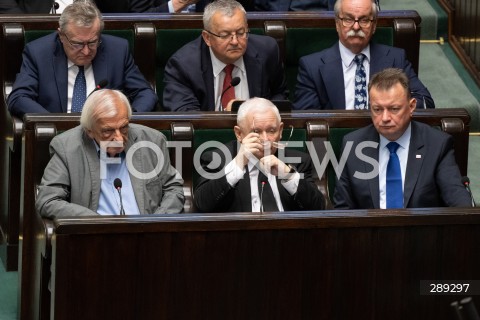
326 79
50 66
195 74
429 175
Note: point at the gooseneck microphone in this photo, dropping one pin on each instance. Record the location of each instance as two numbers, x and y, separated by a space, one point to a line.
102 84
466 183
235 81
117 183
261 196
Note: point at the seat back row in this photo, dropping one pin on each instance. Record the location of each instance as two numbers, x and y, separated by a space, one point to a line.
153 38
196 128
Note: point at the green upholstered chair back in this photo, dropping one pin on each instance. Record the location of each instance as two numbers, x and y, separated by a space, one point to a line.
303 41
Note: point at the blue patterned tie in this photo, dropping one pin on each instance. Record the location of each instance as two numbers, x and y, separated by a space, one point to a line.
79 91
360 84
394 178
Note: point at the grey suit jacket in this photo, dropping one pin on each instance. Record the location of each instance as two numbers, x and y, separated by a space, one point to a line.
71 181
432 177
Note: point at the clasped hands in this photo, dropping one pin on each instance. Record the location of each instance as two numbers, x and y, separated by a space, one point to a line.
260 151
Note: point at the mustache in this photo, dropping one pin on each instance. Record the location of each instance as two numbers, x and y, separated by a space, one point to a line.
359 33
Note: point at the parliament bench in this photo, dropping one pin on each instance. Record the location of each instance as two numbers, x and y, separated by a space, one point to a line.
153 38
364 264
193 128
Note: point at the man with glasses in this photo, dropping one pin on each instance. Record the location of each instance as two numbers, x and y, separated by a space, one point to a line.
257 172
61 69
80 177
336 78
204 74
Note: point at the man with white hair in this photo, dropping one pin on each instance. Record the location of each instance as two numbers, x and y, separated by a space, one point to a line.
337 77
85 161
257 173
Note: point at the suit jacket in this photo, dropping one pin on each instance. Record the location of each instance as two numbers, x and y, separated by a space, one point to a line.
71 181
42 84
216 195
162 5
320 83
189 74
45 6
294 5
432 177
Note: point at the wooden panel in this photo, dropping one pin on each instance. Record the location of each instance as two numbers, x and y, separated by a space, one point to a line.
330 265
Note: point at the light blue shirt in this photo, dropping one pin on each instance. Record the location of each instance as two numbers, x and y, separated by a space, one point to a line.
109 201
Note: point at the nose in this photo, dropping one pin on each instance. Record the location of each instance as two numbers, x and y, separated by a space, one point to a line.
234 38
117 136
386 115
85 50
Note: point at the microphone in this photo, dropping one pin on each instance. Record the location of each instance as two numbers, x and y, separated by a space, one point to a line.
55 7
466 183
102 84
235 81
117 183
261 196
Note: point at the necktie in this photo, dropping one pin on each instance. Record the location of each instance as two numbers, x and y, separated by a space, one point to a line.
230 93
394 178
266 194
79 91
360 84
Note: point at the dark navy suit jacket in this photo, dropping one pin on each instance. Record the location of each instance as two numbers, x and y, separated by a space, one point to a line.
42 86
189 74
432 177
320 83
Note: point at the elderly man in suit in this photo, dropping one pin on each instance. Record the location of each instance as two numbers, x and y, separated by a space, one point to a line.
76 52
257 173
86 160
336 78
199 75
396 162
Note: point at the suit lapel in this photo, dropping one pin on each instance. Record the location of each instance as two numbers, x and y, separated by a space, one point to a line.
99 65
254 72
138 185
379 59
207 73
60 69
94 165
416 154
373 183
335 86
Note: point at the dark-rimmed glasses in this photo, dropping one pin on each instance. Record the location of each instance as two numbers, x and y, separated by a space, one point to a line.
77 46
349 22
229 36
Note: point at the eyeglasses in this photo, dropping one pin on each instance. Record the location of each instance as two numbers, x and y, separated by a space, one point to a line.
108 132
229 36
283 145
276 144
77 46
349 22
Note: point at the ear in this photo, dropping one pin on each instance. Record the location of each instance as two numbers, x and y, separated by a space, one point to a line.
374 26
89 133
412 106
281 130
206 37
238 133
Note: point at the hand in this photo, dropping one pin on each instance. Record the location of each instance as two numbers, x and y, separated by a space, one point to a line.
179 5
251 146
274 166
229 105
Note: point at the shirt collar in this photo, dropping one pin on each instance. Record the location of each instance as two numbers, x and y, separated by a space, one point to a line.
402 141
218 65
347 56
